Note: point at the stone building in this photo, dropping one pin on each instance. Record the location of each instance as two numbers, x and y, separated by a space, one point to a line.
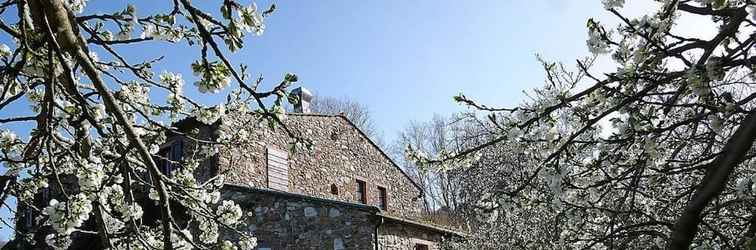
344 193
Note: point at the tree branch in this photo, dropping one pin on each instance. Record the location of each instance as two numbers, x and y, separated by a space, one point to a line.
716 178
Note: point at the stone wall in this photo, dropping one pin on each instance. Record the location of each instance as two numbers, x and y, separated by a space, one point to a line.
394 235
340 156
290 221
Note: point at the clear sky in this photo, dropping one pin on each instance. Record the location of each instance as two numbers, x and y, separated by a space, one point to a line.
403 59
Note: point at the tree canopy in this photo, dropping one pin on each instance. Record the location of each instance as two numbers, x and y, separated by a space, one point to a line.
97 124
655 154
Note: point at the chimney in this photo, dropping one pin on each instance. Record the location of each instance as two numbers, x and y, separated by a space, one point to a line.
305 97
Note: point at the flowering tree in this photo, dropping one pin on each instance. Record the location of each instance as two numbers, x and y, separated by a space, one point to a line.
656 154
97 124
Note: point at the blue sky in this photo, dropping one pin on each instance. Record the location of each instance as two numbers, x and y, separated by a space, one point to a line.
406 59
403 59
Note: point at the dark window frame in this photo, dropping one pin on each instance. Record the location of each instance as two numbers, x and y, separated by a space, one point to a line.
382 198
421 246
28 218
170 157
361 191
334 189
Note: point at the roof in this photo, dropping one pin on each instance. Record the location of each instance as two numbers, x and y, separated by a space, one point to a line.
422 225
373 209
249 189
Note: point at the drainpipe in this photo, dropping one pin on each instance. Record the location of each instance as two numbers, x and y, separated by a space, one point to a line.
380 222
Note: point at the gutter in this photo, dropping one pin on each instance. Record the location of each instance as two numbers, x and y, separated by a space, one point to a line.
380 222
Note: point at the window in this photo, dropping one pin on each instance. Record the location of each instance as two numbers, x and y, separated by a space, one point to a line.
28 218
170 156
361 194
382 199
262 245
45 195
278 169
334 189
419 246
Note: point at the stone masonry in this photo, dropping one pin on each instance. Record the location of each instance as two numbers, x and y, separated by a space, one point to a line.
318 207
282 220
341 155
316 204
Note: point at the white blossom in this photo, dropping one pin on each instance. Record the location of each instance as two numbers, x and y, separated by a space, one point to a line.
247 243
209 230
123 35
99 111
58 242
229 213
613 4
595 42
175 85
227 245
135 92
148 30
716 122
741 186
251 19
209 115
77 6
213 76
96 60
64 217
7 139
134 211
90 177
5 50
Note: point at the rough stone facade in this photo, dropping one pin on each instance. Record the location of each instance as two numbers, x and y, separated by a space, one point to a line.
319 207
393 235
341 155
289 221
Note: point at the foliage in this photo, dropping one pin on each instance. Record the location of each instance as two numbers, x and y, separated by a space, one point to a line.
656 154
94 149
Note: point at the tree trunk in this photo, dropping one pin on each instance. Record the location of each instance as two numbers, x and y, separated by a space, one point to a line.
717 175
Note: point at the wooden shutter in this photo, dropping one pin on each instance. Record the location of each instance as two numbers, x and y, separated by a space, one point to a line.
278 169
